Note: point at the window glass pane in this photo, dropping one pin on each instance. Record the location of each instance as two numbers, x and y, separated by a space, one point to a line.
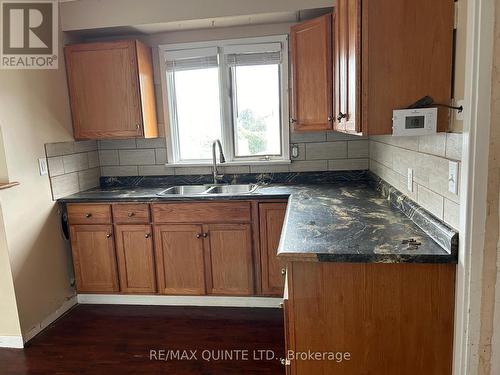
198 111
257 110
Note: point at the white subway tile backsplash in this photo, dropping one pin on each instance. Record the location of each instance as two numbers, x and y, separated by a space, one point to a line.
59 149
129 170
161 155
279 168
309 166
93 157
454 146
452 213
56 166
116 144
108 157
151 143
307 137
358 149
381 153
75 162
155 170
348 164
434 144
137 157
88 179
326 150
431 201
85 146
409 143
65 184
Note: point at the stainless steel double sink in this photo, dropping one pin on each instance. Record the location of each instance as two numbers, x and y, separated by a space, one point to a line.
210 189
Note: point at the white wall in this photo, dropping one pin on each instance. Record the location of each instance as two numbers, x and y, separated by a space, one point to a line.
92 14
34 110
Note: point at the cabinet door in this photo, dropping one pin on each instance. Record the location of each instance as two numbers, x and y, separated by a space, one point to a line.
271 217
180 259
134 250
347 66
94 258
311 59
103 86
229 259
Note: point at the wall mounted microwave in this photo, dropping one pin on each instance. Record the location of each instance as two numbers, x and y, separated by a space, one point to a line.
415 121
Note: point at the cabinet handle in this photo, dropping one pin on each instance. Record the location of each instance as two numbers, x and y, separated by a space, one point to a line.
285 362
205 235
293 121
330 118
341 116
283 271
88 215
108 235
198 235
147 235
281 305
131 214
138 126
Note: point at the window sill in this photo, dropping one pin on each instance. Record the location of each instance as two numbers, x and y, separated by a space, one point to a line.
231 163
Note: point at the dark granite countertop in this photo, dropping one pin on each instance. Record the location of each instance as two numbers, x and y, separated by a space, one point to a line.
349 221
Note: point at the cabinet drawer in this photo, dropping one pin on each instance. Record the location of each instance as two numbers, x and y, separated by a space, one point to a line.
131 213
211 212
89 213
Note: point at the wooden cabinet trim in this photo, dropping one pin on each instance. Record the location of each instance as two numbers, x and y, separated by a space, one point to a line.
131 213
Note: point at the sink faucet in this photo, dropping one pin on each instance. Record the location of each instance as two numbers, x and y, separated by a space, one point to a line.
222 159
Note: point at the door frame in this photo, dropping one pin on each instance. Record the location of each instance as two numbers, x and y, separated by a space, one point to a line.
473 184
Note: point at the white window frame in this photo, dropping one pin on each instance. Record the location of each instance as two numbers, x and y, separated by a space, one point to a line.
227 130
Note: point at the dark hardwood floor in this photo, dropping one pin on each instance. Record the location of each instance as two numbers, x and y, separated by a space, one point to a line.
110 339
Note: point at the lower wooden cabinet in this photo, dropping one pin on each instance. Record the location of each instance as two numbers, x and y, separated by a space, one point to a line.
188 248
94 258
271 218
180 259
391 319
134 252
229 259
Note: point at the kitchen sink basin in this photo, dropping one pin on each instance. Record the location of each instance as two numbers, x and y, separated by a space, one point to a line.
185 190
232 189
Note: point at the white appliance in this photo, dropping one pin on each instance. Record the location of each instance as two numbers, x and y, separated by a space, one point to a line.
416 121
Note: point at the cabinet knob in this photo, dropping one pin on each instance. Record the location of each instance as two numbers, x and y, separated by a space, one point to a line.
330 118
341 116
88 215
283 271
293 121
147 235
281 305
108 235
138 126
285 362
198 235
131 214
205 235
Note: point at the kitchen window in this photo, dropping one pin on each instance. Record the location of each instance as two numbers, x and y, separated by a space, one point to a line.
232 90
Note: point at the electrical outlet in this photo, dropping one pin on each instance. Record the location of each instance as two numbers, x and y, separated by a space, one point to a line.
42 166
453 177
295 151
410 179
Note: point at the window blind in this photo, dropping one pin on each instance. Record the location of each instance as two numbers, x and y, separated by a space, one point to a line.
253 54
201 58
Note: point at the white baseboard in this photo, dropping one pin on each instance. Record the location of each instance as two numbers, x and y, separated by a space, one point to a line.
50 319
14 342
213 301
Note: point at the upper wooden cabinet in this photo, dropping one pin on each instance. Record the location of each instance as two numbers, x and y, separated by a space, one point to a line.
407 53
386 55
347 66
311 65
111 90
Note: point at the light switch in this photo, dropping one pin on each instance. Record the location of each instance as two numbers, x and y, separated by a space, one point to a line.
42 166
453 177
410 179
